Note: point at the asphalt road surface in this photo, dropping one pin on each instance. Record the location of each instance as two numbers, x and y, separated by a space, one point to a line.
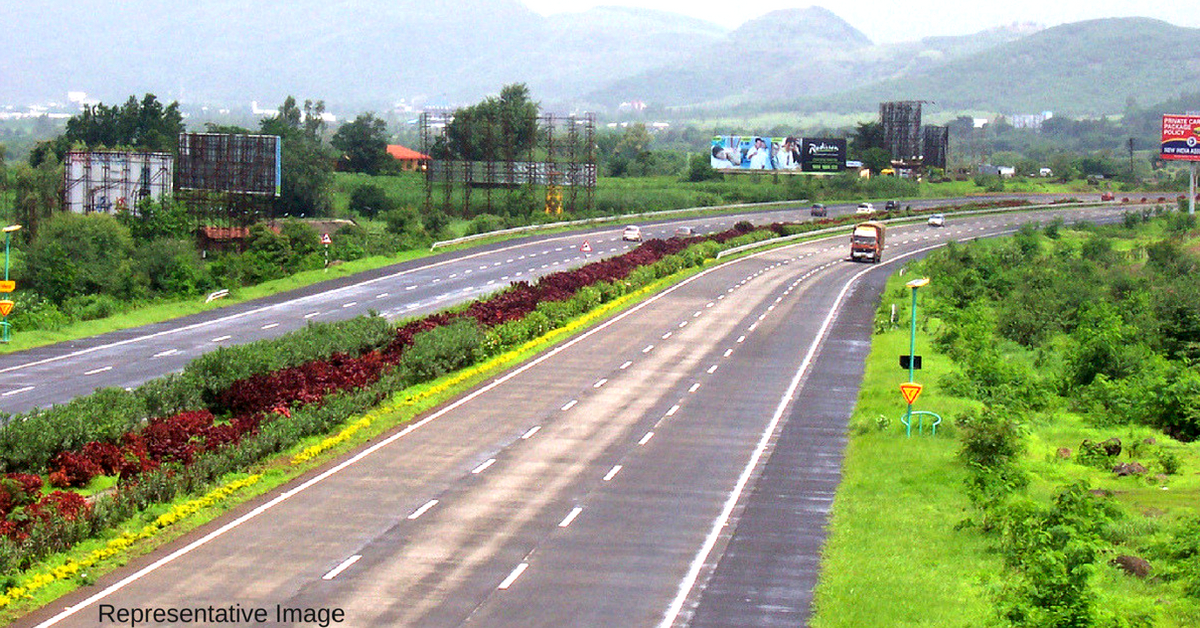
673 466
58 373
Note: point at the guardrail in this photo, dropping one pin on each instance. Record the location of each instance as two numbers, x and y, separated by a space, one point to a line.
604 219
842 227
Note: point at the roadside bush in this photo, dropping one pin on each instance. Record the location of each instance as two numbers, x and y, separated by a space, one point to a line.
485 223
172 267
441 350
369 200
88 307
992 444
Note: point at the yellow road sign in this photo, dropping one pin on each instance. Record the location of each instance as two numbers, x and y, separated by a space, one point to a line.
6 307
8 286
910 391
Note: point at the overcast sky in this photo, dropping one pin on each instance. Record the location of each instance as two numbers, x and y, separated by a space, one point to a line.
884 21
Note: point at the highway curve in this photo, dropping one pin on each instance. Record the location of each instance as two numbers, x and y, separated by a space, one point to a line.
674 466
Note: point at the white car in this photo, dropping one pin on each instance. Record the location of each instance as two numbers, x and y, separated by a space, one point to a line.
632 234
937 220
865 208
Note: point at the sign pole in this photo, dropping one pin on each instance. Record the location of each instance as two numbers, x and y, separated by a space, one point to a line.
912 350
1191 192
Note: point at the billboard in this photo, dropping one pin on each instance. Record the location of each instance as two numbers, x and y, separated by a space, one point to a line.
223 162
112 181
1180 137
823 154
764 152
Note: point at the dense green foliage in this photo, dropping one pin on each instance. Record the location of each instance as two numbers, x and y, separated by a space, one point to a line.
363 143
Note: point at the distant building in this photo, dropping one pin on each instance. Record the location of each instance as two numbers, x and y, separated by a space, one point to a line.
1030 120
409 159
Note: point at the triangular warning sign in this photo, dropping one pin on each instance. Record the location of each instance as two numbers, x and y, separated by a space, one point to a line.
326 240
586 248
911 392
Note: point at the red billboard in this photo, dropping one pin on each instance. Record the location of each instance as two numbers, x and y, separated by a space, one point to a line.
1181 137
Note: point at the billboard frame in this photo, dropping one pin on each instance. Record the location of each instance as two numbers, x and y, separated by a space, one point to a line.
109 181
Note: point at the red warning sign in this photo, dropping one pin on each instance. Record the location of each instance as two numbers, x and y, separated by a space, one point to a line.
326 240
586 248
911 392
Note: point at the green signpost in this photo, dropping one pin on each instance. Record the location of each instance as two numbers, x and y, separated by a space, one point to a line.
911 390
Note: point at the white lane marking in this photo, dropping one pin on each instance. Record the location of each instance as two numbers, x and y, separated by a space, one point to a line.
626 365
484 267
712 369
512 577
350 304
483 467
163 354
256 512
728 352
709 304
221 338
382 295
683 324
454 275
570 517
648 349
646 438
721 297
529 434
423 509
468 271
667 335
508 261
312 314
412 287
17 391
600 383
99 370
612 473
570 404
696 314
673 410
694 387
752 327
270 326
689 581
342 567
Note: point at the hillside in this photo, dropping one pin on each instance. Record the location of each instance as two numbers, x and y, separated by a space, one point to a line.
1085 68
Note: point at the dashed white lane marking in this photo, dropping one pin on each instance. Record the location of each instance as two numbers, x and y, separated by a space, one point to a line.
508 261
673 410
350 304
728 352
648 349
600 383
485 267
683 324
646 438
221 338
752 327
17 391
267 326
512 577
412 287
312 314
694 387
423 509
163 354
696 314
612 473
570 404
467 271
570 517
709 304
483 467
667 335
712 369
454 275
626 365
529 434
342 567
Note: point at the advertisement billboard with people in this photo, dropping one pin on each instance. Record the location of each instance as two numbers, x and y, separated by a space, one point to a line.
764 152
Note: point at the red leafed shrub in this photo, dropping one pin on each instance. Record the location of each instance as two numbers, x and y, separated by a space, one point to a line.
107 456
64 504
307 383
177 437
27 485
71 468
135 458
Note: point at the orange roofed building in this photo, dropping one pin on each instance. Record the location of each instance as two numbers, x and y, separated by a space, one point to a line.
409 159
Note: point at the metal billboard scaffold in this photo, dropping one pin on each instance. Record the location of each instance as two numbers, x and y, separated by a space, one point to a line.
559 164
113 181
229 179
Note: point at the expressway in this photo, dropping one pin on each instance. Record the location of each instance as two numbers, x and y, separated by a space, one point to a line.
58 373
673 466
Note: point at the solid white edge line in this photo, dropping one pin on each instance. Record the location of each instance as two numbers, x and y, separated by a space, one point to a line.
355 459
570 517
342 567
689 580
416 514
512 577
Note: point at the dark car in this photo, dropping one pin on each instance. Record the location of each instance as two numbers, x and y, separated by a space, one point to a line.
891 206
818 209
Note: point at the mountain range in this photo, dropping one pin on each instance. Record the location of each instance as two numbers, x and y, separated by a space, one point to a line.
370 54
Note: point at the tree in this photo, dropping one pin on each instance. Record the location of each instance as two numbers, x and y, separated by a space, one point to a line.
497 129
306 175
35 192
145 125
75 255
363 143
